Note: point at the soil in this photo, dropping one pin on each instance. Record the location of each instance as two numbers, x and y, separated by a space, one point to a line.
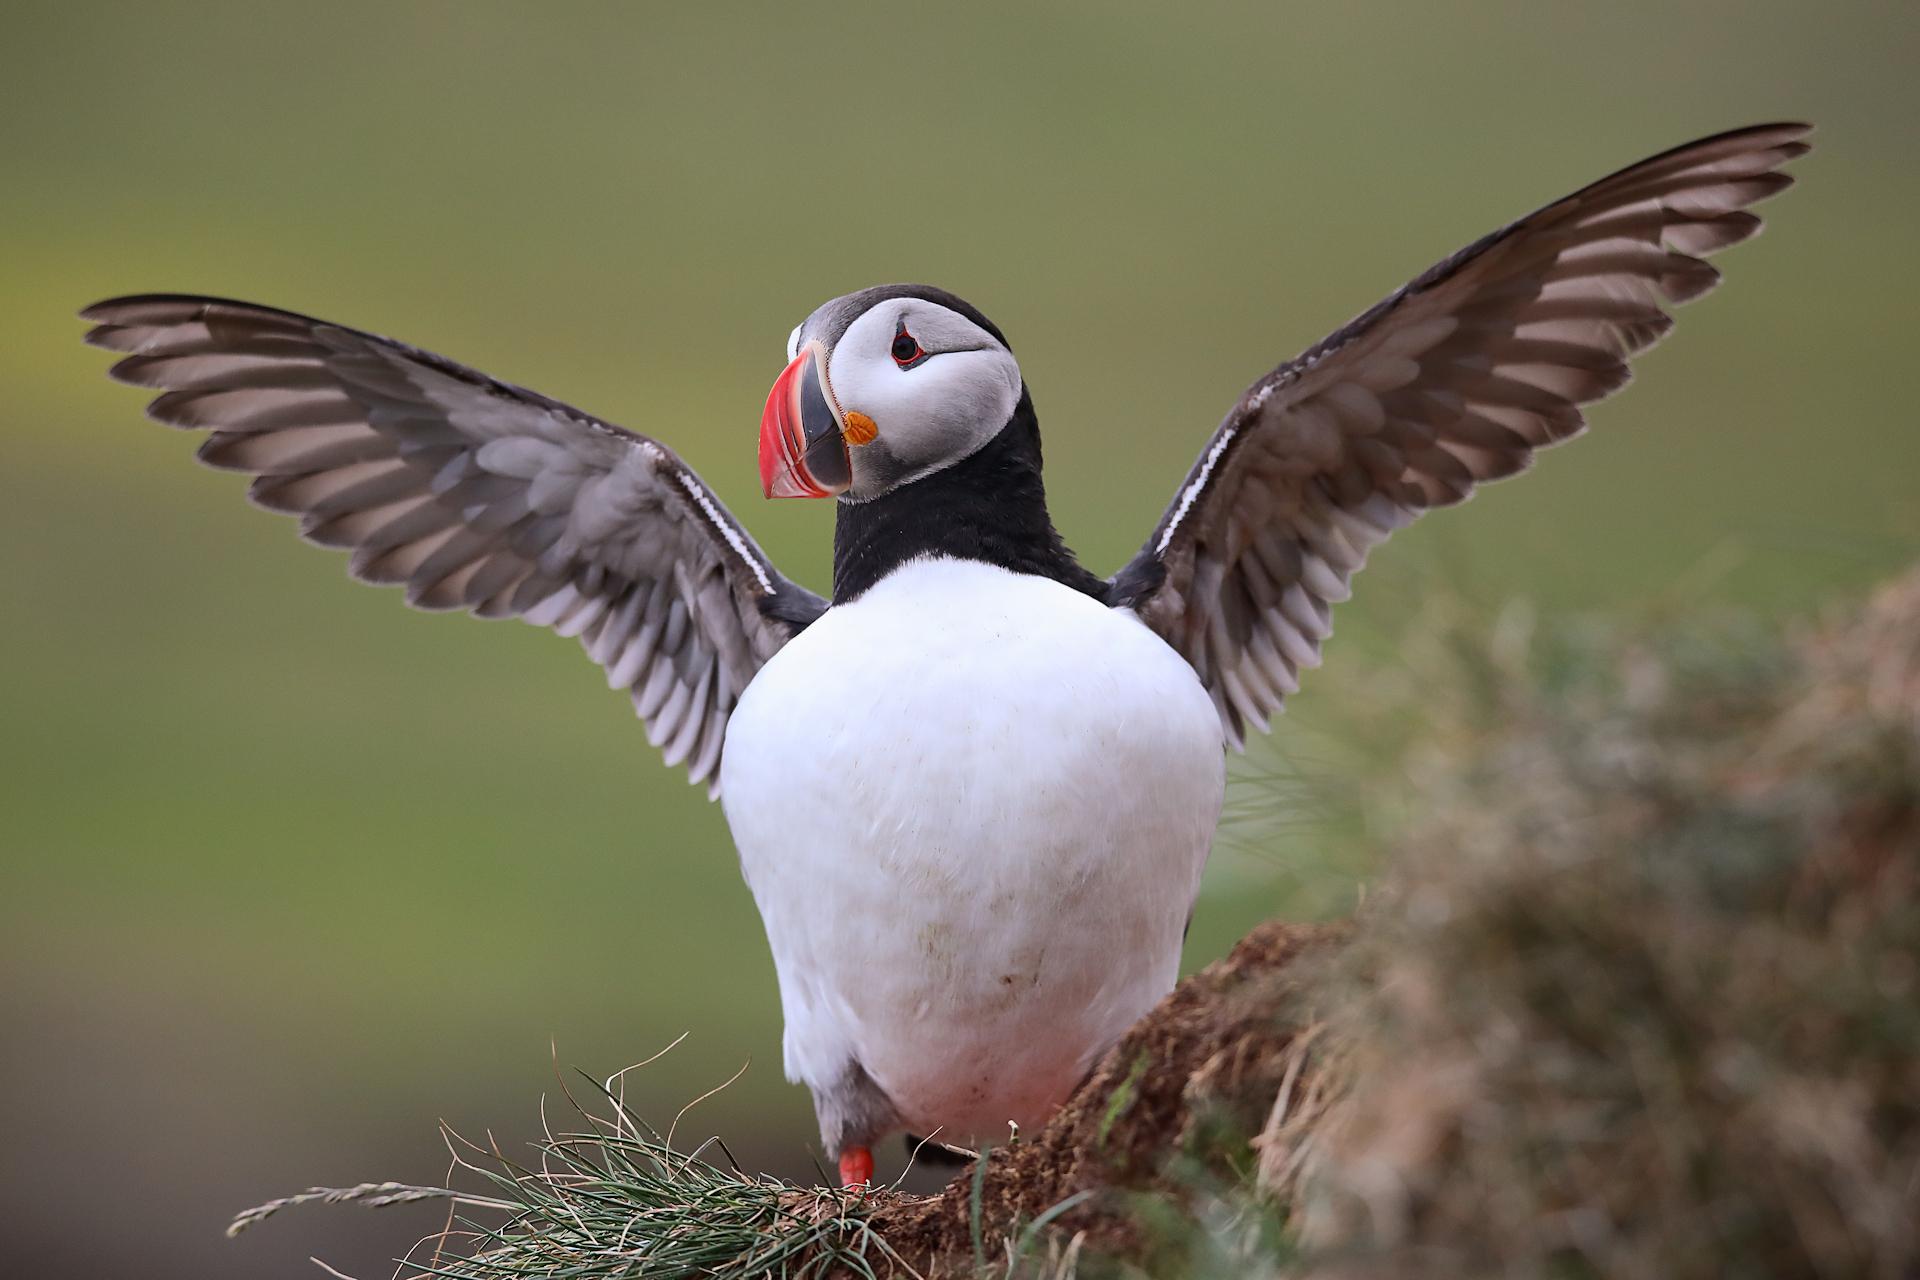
1179 1099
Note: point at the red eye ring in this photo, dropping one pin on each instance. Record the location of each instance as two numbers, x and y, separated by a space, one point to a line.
906 349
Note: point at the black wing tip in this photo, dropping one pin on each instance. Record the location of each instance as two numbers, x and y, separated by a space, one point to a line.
1781 133
111 318
127 310
1786 128
1788 137
112 310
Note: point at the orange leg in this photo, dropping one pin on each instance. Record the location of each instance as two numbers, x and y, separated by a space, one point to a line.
856 1167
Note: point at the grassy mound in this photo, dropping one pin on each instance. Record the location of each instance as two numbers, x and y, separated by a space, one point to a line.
1643 997
1639 995
1173 1107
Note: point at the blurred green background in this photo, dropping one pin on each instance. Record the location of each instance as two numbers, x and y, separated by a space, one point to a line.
290 872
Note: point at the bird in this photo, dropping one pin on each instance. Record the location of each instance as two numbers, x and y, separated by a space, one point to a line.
972 788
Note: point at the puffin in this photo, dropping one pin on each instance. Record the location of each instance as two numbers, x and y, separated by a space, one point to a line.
974 786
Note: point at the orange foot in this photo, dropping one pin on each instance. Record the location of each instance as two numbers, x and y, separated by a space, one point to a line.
856 1167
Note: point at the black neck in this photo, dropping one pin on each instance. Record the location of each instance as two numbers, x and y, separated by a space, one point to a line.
989 507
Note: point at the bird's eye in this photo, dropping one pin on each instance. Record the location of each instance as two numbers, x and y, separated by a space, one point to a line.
906 349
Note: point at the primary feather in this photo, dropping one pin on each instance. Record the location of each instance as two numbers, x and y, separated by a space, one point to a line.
1455 380
475 494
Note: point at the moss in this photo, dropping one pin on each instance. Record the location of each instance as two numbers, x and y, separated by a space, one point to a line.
1121 1098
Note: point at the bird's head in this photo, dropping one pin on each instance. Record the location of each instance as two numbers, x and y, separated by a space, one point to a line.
881 388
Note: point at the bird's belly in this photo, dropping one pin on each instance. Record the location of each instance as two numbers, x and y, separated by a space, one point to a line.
973 808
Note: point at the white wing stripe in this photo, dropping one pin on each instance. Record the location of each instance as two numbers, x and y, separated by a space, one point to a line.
698 493
1197 487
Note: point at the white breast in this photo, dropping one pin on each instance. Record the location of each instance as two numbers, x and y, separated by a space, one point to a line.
973 807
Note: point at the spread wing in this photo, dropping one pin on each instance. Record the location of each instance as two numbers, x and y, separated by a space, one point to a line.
476 495
1454 380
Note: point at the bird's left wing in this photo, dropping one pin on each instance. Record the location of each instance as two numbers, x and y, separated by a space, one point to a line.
1454 380
476 495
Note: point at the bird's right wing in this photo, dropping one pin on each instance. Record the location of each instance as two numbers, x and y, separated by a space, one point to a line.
476 495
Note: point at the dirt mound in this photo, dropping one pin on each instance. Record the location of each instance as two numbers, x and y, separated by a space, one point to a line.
1194 1082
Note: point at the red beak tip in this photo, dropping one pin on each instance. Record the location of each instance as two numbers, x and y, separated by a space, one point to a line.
785 468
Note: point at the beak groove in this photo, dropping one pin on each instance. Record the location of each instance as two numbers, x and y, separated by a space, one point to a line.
803 450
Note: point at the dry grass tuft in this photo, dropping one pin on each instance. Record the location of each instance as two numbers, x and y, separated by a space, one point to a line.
1642 997
612 1198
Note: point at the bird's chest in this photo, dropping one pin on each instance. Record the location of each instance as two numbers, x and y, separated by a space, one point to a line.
959 721
973 807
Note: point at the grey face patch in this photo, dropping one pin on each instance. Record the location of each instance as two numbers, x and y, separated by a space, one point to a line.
930 412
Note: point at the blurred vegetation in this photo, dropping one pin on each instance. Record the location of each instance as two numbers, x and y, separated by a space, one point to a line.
287 869
1638 998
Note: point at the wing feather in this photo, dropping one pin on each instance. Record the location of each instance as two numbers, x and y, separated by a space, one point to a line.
474 494
1454 380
